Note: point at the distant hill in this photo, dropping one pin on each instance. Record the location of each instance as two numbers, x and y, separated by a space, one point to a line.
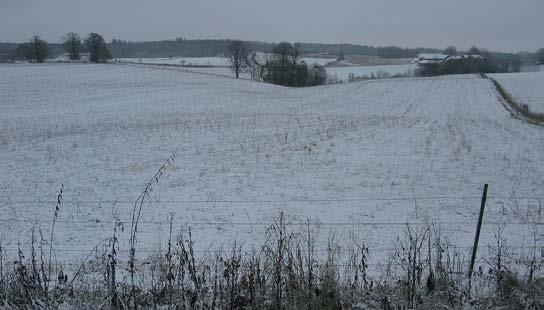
360 54
208 48
365 50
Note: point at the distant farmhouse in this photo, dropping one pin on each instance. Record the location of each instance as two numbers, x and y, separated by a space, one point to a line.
433 64
431 59
425 60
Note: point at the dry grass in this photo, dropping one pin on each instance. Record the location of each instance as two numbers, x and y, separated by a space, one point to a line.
519 109
286 272
291 269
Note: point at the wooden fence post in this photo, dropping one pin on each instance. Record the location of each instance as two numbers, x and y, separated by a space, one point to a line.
477 238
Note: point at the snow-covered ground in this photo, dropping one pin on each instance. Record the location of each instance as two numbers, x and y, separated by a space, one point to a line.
220 66
525 87
210 65
318 61
180 61
343 72
208 61
360 157
223 71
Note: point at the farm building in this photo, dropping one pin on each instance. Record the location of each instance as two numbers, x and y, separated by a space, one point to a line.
434 64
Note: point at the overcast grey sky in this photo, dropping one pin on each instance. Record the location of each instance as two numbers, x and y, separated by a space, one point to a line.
507 25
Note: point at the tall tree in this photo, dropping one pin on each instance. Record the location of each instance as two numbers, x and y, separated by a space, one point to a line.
298 75
284 67
238 54
37 50
284 56
318 75
97 48
540 56
72 45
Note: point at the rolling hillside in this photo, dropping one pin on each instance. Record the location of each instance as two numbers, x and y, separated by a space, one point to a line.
361 157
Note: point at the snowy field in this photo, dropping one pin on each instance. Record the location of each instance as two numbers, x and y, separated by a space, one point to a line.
220 66
358 160
318 61
526 88
343 72
208 61
180 61
223 71
209 65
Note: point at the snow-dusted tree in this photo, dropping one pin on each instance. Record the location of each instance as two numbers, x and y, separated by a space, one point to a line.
238 54
72 45
97 48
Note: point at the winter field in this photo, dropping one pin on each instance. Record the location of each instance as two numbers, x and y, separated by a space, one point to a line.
180 61
343 72
221 66
356 160
525 88
207 61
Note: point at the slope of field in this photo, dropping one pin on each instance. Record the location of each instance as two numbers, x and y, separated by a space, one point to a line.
220 66
526 88
209 65
360 158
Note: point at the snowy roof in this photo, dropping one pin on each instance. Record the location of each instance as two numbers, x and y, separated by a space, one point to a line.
432 56
430 61
466 56
435 59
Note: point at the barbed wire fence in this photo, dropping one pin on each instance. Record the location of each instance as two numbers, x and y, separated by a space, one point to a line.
300 203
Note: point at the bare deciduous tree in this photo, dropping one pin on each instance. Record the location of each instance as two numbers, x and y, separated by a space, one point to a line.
72 45
96 46
285 55
238 54
255 66
284 66
38 50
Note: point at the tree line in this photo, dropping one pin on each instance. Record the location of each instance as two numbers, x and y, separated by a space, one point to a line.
37 49
206 48
282 65
179 47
